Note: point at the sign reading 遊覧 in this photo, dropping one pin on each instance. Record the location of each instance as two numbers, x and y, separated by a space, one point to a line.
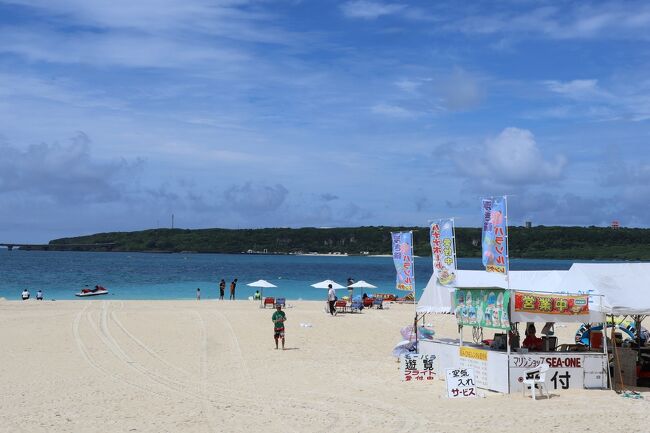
417 367
461 383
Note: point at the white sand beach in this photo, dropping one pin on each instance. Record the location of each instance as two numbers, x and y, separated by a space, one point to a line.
209 366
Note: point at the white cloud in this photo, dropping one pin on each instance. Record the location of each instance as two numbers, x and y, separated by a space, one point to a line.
369 10
623 20
64 173
391 111
255 198
510 160
577 89
408 86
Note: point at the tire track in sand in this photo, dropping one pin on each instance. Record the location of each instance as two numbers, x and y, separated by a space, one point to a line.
85 353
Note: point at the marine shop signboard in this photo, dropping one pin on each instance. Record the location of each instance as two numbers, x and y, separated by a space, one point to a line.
562 305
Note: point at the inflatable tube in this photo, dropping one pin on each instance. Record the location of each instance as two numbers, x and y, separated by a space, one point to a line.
404 348
582 334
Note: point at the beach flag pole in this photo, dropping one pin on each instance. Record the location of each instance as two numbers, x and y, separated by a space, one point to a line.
505 198
415 305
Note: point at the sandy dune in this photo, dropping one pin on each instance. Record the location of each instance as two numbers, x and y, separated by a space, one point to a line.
187 366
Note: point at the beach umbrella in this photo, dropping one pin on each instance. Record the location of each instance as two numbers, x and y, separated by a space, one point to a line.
325 285
361 285
262 284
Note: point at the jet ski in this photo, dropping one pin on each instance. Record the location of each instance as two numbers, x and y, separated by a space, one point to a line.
98 290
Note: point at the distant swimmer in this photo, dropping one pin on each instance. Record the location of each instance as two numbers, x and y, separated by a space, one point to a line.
198 294
222 288
39 295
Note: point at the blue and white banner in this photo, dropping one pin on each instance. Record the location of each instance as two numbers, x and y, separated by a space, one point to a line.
443 251
495 235
403 259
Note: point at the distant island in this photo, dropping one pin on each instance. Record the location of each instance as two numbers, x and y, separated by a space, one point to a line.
542 242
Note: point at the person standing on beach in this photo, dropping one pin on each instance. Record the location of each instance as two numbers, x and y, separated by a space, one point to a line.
331 299
350 289
232 289
198 294
278 319
222 288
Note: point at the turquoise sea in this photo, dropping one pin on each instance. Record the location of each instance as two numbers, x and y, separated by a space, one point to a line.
177 276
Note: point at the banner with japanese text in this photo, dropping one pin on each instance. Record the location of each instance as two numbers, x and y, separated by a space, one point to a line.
495 234
443 251
487 308
417 367
403 259
563 305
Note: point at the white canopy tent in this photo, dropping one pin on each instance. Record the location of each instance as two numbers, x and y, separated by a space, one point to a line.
625 287
439 299
615 288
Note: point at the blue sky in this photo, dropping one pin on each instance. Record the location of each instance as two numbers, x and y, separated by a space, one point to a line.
116 114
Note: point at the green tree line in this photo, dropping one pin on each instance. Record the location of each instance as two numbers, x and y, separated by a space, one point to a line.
537 242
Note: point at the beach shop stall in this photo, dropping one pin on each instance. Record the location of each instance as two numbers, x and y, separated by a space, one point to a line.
625 292
489 308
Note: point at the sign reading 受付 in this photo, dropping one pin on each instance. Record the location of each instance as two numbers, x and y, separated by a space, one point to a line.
461 383
417 367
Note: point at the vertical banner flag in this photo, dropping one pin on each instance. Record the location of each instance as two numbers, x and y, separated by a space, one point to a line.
403 259
495 235
443 250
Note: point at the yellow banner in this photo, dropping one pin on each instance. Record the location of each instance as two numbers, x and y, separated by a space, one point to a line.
469 352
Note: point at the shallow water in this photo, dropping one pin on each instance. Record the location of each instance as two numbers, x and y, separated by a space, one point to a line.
177 276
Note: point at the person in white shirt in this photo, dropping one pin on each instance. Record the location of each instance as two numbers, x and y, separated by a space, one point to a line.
25 295
39 295
331 298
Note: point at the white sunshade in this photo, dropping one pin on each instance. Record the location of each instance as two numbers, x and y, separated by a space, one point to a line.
362 285
624 286
325 285
261 283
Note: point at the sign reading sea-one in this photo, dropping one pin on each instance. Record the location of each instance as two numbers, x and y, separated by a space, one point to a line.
566 370
567 305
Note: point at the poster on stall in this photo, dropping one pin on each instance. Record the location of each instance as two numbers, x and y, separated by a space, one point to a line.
563 305
461 383
487 308
416 367
443 251
566 370
403 260
495 235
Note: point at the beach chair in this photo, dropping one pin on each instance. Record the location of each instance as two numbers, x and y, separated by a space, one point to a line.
536 378
269 301
367 302
341 306
378 303
356 305
281 302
